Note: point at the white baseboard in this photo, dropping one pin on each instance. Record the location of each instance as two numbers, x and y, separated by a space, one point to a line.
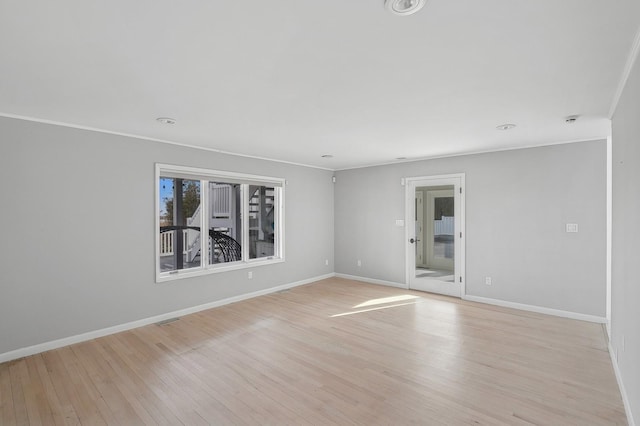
55 344
497 302
623 390
372 281
538 309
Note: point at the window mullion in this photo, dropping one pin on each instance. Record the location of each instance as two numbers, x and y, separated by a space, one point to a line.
277 218
204 223
244 206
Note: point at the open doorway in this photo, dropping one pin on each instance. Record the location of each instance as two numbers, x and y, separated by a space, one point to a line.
435 249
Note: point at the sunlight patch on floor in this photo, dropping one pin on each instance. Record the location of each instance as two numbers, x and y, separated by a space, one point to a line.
384 300
372 309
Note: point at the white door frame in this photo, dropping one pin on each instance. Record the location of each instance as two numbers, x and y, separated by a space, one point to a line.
458 182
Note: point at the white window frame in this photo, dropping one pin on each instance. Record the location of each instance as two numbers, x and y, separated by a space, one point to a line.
205 176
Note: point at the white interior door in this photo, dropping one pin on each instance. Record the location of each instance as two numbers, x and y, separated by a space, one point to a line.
443 268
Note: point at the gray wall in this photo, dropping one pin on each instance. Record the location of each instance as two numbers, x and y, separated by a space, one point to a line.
77 244
625 251
517 205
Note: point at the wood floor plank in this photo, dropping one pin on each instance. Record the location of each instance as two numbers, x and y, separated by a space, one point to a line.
215 412
335 352
69 387
122 402
61 409
116 354
171 386
7 412
19 403
40 401
37 404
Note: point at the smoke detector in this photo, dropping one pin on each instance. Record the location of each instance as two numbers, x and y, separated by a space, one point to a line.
571 119
404 7
507 126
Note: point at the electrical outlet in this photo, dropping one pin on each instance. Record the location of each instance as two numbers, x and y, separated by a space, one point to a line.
359 263
572 227
487 281
326 262
250 275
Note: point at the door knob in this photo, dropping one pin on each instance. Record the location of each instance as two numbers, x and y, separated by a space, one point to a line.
411 240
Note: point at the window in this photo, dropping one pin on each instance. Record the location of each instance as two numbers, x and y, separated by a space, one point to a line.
211 221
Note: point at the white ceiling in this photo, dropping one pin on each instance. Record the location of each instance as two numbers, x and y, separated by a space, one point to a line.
294 79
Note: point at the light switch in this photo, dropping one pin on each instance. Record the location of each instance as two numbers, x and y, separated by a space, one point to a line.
572 227
399 222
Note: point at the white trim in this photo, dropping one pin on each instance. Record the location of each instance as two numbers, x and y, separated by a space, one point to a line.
215 269
538 309
279 224
204 212
462 154
373 281
609 233
623 390
212 174
219 151
434 177
488 301
54 344
244 217
147 138
156 220
626 73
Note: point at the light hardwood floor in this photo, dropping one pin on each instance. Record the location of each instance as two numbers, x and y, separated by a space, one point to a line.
332 352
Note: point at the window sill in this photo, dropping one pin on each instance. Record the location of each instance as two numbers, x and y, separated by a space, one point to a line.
214 269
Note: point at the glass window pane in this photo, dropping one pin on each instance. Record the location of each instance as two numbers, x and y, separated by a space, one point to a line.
262 214
225 222
179 224
443 226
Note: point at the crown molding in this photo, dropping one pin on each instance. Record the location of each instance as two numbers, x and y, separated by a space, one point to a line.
631 60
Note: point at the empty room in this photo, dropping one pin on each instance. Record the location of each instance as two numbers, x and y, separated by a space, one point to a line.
416 212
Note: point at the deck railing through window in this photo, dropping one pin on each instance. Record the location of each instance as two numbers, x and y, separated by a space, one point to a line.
166 242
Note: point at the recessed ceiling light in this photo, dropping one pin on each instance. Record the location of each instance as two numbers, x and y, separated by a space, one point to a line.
571 119
507 126
327 156
404 7
166 120
401 158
